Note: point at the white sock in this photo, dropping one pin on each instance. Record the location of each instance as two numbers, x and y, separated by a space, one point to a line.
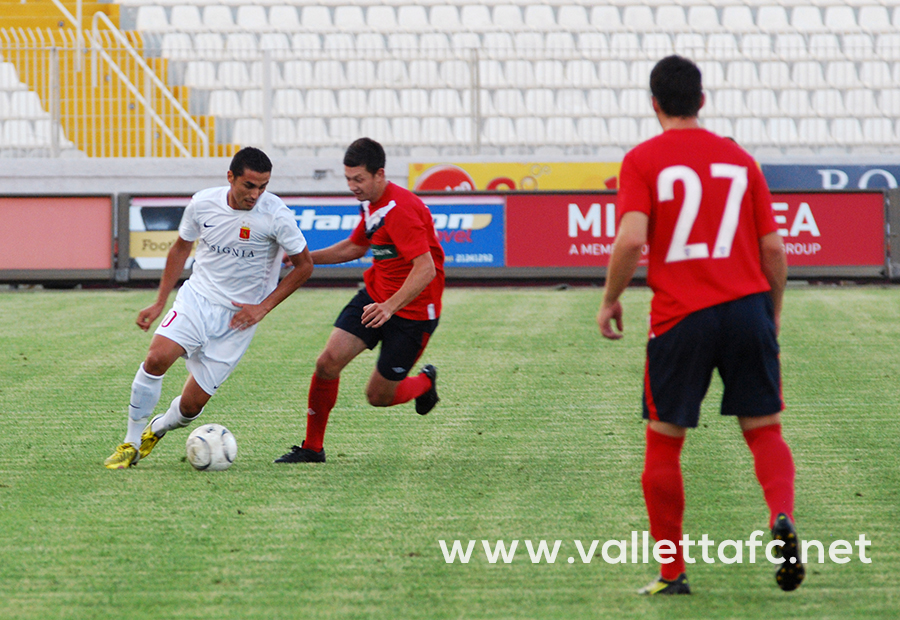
145 392
173 418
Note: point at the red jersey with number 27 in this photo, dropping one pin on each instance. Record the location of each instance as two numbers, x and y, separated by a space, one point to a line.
398 228
708 205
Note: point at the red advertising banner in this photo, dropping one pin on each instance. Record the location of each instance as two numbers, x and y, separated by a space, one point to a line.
831 229
63 233
560 230
577 229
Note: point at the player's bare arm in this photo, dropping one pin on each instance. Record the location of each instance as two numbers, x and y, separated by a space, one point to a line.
622 264
343 251
251 314
774 267
422 273
175 260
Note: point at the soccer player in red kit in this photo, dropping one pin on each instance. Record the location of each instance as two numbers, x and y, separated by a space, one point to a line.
717 269
399 306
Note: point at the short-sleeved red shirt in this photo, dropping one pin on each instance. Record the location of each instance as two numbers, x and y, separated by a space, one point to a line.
708 205
399 228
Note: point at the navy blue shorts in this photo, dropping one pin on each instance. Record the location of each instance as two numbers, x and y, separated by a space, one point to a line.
737 338
402 340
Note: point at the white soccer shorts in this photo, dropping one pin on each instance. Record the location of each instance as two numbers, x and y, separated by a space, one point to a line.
213 349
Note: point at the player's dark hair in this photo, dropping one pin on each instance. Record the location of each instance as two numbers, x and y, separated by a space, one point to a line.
676 84
252 158
365 152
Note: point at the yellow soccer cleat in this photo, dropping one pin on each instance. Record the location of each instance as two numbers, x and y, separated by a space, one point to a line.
149 439
124 457
664 586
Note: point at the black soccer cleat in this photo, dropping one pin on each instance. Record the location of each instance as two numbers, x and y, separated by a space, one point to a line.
664 586
429 399
299 454
790 574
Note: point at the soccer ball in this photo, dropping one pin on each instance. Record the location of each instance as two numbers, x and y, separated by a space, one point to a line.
211 447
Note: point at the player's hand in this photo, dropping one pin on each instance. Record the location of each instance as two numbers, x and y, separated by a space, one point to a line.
247 316
608 314
148 315
375 315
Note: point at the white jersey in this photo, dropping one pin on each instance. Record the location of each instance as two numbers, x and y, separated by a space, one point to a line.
238 257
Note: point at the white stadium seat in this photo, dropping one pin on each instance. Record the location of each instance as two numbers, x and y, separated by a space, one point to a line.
382 18
783 131
593 131
343 130
507 17
813 131
540 101
349 18
772 18
562 130
151 18
407 130
623 131
861 101
186 18
671 18
224 103
288 102
251 17
828 102
878 131
437 130
312 131
353 101
447 102
730 102
807 19
738 19
284 132
703 19
248 132
795 102
751 132
377 128
762 102
412 18
846 131
603 102
539 17
218 17
284 17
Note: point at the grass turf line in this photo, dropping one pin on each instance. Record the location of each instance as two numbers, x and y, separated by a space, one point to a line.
537 436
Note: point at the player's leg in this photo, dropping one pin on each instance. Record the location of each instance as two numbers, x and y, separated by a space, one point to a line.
342 347
209 366
677 375
145 392
751 374
403 343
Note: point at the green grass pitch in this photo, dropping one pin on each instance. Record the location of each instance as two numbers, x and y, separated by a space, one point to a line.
537 437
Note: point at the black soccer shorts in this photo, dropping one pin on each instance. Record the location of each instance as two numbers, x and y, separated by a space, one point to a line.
402 340
738 339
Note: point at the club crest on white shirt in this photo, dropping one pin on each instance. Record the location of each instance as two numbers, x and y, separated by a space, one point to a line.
375 220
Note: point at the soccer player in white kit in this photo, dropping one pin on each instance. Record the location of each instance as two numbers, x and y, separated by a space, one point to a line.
242 233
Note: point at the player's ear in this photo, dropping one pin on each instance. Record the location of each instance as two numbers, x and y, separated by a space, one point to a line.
702 100
655 104
230 177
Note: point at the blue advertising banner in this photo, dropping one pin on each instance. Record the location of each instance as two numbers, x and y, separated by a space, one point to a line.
470 229
808 177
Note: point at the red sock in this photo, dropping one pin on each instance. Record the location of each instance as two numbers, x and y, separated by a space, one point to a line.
664 495
774 468
322 396
410 388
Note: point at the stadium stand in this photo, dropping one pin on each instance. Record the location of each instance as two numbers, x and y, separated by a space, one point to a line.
799 76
